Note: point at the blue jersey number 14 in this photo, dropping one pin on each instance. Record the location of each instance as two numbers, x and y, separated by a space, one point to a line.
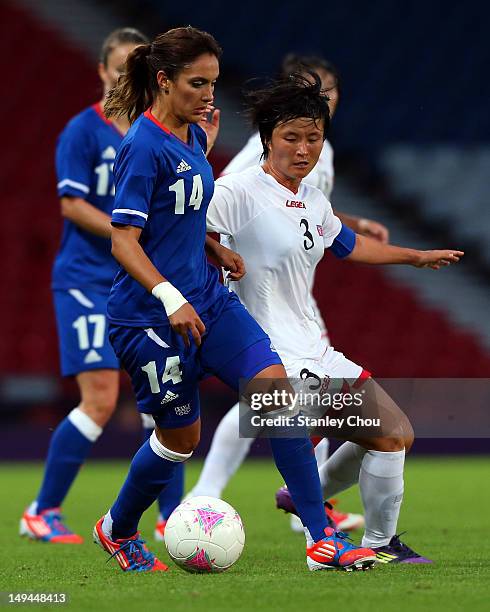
196 194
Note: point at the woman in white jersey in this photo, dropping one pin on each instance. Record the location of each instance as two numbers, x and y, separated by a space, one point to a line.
281 227
226 444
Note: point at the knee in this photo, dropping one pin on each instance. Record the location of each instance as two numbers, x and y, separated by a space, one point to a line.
181 442
408 436
400 440
99 402
390 444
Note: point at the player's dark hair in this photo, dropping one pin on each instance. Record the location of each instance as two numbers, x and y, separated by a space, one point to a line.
285 99
121 36
293 62
170 52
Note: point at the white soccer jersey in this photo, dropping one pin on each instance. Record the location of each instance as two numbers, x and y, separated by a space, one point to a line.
282 237
321 177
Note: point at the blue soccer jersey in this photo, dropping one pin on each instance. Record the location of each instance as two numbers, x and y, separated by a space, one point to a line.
163 186
84 164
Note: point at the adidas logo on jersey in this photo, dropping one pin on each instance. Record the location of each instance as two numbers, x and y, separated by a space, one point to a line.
183 167
169 396
295 204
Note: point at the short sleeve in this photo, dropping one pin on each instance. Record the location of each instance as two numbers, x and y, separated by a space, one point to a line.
248 157
75 160
135 174
226 212
337 237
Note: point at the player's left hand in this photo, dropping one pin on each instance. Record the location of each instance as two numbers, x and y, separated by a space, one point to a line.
373 229
210 124
231 262
437 259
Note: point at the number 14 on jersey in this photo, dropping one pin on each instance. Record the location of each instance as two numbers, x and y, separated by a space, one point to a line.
196 195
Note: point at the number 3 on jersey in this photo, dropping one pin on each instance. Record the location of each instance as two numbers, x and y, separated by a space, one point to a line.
196 194
308 243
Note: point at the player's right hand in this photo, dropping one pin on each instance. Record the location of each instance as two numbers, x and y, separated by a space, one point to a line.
185 320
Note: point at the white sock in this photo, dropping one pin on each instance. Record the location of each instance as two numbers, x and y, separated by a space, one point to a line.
107 525
85 425
309 540
341 470
321 451
225 456
381 484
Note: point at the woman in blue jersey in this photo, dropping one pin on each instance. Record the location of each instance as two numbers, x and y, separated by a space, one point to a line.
82 277
171 321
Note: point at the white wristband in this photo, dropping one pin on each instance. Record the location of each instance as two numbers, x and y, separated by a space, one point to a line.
170 297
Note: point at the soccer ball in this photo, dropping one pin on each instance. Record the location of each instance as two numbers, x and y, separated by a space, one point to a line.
204 534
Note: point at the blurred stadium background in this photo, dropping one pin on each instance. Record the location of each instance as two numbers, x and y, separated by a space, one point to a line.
412 144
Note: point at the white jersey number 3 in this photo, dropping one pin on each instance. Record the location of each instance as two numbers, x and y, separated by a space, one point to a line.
196 194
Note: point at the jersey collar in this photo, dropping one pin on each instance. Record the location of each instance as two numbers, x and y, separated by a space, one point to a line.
149 115
100 112
272 181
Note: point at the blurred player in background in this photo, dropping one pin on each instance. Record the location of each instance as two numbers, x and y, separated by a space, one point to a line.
281 227
82 277
170 336
228 450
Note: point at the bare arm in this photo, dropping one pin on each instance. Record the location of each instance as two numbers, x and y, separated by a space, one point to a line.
229 260
365 227
371 251
129 253
86 216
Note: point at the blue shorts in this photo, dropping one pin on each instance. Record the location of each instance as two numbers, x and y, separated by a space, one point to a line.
165 374
83 331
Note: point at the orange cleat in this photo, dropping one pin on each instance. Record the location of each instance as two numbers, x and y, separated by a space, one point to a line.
47 526
336 552
132 554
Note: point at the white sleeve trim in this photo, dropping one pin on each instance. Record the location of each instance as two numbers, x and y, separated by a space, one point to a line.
74 184
129 211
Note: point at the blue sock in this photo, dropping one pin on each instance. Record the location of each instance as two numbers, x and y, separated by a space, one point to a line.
171 497
148 474
295 459
68 449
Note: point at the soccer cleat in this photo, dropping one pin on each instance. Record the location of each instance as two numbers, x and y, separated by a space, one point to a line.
132 553
159 532
345 521
398 552
284 501
336 552
47 526
337 520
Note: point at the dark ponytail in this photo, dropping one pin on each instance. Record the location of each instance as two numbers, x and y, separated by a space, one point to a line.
133 93
170 52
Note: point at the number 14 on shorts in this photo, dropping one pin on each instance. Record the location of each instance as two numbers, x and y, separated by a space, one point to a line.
172 372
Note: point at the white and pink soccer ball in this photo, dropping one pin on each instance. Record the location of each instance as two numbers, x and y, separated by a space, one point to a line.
204 534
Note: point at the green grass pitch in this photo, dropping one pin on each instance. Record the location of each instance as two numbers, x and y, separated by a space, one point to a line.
445 513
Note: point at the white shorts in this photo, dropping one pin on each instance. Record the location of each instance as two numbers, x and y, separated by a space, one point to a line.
317 381
332 364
